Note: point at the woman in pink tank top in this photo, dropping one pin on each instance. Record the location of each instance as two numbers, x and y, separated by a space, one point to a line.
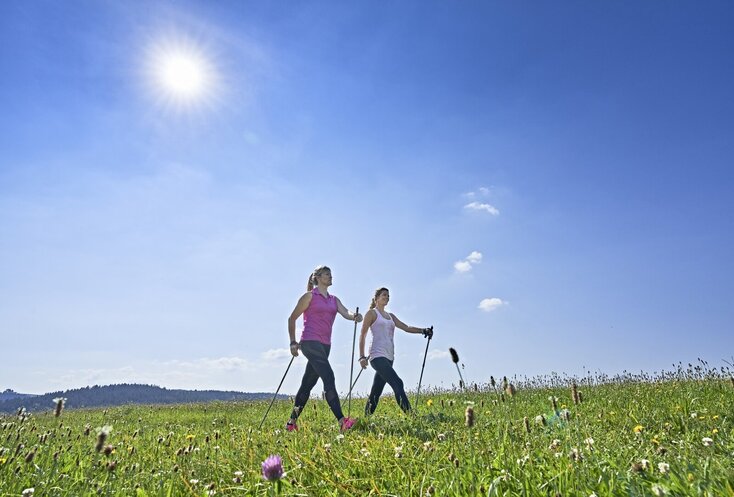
382 350
319 310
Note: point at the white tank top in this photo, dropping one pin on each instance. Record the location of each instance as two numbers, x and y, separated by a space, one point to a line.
383 343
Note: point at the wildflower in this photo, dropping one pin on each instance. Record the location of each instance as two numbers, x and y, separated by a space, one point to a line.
28 492
715 417
663 467
694 415
441 437
59 401
190 437
237 477
399 452
708 442
429 402
469 416
636 467
657 490
29 457
364 452
540 420
638 429
589 441
193 481
327 447
714 431
340 437
554 444
272 468
102 434
576 454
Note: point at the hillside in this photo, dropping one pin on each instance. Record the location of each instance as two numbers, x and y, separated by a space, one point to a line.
10 394
115 395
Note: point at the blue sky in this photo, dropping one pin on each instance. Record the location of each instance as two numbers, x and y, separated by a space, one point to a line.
566 163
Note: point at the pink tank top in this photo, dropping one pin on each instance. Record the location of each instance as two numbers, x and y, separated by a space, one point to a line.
318 318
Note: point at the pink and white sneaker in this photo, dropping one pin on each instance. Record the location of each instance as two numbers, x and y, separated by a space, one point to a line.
347 424
291 426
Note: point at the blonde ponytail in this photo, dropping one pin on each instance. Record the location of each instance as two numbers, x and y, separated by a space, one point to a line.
312 279
373 304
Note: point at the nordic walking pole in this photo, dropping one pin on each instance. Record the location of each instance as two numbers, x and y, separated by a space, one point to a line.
356 379
276 392
351 364
418 392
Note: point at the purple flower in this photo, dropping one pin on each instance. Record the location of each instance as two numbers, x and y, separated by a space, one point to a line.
273 468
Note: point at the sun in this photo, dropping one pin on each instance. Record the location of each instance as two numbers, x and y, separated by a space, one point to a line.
181 74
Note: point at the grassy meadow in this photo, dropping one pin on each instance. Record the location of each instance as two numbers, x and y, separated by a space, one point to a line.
638 435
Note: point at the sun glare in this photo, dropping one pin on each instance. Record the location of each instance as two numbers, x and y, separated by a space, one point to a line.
181 74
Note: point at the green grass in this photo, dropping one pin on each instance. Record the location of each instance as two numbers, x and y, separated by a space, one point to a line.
215 449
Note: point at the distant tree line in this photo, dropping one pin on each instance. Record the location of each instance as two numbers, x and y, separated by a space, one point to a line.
116 395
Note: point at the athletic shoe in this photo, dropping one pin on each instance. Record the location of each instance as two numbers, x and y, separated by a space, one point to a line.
347 424
291 426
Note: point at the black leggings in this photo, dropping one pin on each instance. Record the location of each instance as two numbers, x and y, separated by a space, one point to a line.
318 366
385 374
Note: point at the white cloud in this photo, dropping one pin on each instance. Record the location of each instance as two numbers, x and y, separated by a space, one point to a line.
438 354
465 265
462 266
475 257
484 190
477 206
274 354
489 305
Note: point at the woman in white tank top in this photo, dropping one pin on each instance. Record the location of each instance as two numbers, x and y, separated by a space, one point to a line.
382 350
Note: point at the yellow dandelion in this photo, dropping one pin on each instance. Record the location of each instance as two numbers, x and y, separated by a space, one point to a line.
690 477
714 431
3 460
655 441
638 429
429 402
190 437
715 417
